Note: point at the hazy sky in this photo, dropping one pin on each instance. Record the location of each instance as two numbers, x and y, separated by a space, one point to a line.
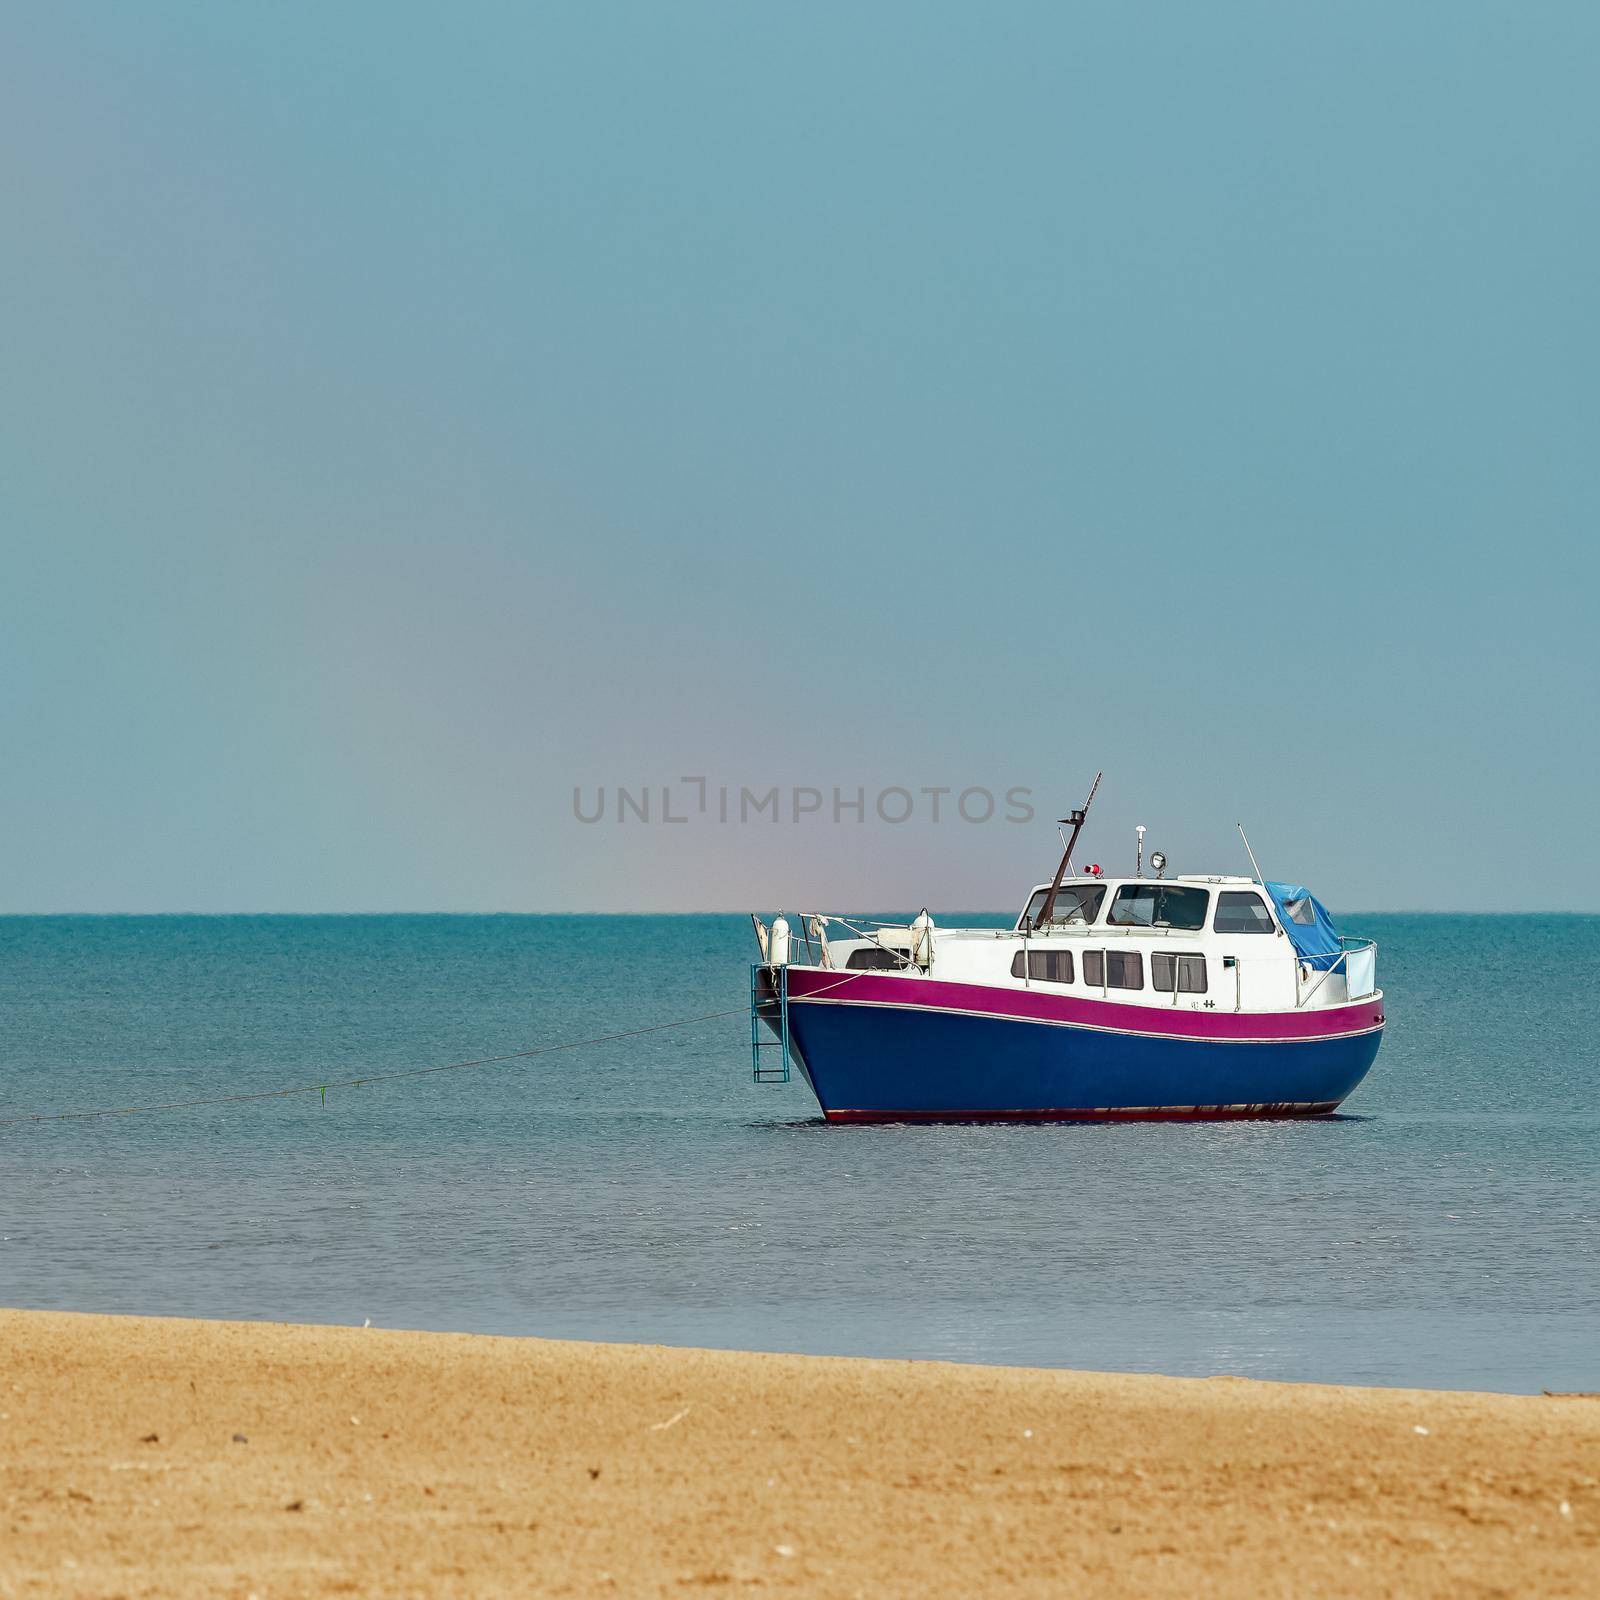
412 413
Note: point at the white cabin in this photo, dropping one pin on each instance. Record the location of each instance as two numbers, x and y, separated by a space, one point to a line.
1196 942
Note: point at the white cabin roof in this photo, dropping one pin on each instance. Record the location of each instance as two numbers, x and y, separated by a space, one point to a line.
1110 882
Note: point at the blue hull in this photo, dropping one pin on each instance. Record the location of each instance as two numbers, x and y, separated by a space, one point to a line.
882 1063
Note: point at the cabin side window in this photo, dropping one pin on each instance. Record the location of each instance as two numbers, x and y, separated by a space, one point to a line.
873 958
1044 966
1113 969
1077 903
1159 905
1241 911
1187 973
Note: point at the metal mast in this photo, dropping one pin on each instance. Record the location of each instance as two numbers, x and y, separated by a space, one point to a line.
1076 819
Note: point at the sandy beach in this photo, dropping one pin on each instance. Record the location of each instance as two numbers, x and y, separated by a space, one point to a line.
145 1457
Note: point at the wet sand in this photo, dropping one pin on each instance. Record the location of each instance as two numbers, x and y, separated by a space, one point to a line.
145 1457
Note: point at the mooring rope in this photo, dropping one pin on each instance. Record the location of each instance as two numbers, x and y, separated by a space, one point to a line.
370 1077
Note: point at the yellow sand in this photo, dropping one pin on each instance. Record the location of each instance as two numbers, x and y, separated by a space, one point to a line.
394 1464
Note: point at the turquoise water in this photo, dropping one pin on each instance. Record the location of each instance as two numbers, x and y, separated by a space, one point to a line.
1445 1233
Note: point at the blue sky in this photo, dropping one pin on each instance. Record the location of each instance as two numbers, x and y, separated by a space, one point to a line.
412 414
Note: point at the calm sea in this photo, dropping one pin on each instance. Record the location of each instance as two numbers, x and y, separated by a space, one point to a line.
1444 1233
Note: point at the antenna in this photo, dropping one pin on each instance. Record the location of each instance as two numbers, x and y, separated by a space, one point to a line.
1076 818
1138 870
1251 853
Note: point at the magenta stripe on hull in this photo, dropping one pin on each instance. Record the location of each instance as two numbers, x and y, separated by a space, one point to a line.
1033 1005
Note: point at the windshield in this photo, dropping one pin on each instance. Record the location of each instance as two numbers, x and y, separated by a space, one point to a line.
1159 905
1075 902
1242 911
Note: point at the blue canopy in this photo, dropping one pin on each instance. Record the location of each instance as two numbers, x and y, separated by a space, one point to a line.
1305 919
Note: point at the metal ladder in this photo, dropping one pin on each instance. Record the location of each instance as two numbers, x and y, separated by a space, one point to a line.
769 1010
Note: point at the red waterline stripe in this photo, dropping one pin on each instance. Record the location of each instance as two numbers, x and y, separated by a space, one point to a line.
1290 1108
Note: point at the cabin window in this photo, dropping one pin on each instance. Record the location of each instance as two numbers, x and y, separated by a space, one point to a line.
1113 969
1302 911
1241 911
873 959
1044 966
1124 969
1159 905
1188 971
1076 902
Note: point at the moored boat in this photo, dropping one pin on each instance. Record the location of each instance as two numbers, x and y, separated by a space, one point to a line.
1139 998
